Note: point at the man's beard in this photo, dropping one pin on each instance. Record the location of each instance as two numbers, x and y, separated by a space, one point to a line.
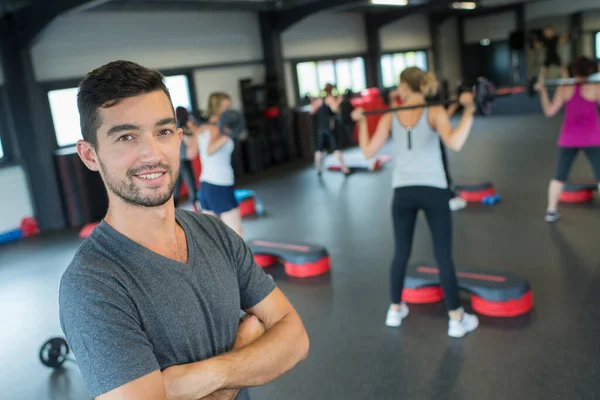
131 194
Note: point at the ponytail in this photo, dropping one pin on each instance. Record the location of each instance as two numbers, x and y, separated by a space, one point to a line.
429 84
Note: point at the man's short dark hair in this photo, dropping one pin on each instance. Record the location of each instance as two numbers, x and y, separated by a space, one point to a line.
107 85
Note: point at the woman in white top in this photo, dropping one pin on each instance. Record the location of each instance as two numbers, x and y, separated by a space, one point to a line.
217 180
420 182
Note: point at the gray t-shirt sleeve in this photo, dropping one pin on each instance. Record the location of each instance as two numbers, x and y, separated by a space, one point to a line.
102 328
255 284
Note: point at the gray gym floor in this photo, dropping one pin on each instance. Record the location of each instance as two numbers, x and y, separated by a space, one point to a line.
551 353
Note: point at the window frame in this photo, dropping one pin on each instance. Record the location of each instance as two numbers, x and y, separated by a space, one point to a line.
295 61
426 50
72 83
9 159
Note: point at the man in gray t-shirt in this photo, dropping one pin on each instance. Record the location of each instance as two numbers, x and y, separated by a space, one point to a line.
150 304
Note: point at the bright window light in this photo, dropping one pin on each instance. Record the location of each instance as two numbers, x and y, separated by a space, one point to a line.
464 5
1 151
179 89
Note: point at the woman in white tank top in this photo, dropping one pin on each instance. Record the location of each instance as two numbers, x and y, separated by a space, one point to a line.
217 194
420 183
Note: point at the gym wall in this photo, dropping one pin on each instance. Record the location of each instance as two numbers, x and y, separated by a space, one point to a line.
325 34
549 8
74 44
408 33
16 203
493 27
321 35
225 79
449 53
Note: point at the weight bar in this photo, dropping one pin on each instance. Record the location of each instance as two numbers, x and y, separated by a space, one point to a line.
485 93
483 98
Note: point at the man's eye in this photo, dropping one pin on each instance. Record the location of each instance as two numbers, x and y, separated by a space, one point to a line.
125 138
166 132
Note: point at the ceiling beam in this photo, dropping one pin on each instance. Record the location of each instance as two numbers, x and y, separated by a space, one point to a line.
185 6
379 20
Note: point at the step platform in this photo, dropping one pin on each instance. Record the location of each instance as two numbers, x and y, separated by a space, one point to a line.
495 294
299 260
248 202
356 162
578 192
476 192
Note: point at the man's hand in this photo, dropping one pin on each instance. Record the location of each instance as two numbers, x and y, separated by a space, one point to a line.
249 330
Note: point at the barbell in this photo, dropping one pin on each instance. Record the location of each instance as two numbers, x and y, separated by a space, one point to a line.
485 93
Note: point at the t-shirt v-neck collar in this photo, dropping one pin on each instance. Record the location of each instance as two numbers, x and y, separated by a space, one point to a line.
135 246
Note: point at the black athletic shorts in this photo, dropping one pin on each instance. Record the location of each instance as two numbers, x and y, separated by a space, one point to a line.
322 137
566 156
552 59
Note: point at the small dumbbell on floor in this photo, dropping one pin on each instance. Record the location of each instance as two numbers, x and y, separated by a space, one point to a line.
491 199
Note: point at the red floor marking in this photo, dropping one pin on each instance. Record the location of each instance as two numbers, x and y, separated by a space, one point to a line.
281 245
482 277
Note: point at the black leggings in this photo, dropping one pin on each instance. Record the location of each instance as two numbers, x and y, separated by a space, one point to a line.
447 169
434 202
186 172
566 156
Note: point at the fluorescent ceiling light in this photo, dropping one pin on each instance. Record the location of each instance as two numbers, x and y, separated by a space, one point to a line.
390 2
464 5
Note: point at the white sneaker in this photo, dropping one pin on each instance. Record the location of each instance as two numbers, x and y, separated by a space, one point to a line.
394 317
457 203
460 328
552 216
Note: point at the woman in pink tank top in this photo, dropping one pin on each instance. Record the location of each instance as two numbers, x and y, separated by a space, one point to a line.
580 129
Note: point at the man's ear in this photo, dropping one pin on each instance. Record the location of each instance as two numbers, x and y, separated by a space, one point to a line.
88 155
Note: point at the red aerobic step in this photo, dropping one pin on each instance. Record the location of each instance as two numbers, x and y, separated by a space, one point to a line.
510 308
579 196
478 196
247 206
265 260
423 295
306 270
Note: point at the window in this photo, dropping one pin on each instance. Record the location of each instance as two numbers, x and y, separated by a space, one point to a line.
393 64
346 73
1 151
597 45
65 116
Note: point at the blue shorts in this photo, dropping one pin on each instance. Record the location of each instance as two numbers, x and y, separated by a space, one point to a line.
217 198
